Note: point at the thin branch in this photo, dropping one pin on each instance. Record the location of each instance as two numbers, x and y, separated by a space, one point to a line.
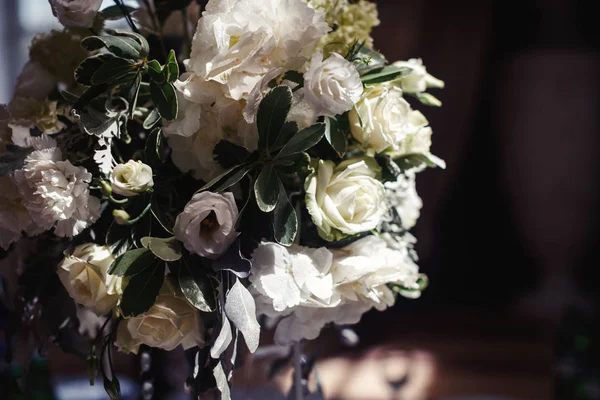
127 15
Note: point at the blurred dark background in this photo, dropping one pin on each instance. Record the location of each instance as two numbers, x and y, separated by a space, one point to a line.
508 233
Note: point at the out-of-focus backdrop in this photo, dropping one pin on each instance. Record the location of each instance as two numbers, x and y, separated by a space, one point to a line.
509 232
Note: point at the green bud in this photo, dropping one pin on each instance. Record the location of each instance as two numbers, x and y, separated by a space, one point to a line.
122 217
113 388
429 100
106 188
92 368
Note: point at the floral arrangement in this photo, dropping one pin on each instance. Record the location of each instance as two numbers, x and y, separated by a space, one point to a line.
272 181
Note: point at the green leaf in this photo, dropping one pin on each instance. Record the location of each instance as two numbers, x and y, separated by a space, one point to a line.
165 99
367 60
88 67
166 220
114 13
289 129
416 160
89 95
113 70
132 262
145 47
233 261
143 288
155 71
196 286
120 46
229 154
272 112
385 74
155 150
97 119
171 68
228 178
294 76
133 92
266 189
118 238
168 249
335 136
303 140
152 119
285 220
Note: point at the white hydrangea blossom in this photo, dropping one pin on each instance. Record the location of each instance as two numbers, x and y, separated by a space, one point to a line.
56 192
237 42
403 200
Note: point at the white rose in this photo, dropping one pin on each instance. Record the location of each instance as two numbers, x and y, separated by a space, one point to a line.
170 322
14 217
56 192
205 118
131 178
237 42
363 269
292 276
76 13
85 276
345 199
207 224
383 119
333 86
418 80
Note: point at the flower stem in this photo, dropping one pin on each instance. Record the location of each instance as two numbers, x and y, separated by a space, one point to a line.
297 385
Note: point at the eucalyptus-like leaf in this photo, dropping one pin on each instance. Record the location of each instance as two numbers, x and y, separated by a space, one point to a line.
302 141
266 189
165 99
120 46
228 178
285 220
132 262
241 311
385 74
168 249
272 112
222 382
143 288
223 340
367 60
196 286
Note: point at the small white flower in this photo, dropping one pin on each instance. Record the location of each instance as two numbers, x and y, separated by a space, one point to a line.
76 13
345 199
85 276
56 192
383 119
14 217
131 178
171 322
207 224
418 80
402 199
333 86
237 42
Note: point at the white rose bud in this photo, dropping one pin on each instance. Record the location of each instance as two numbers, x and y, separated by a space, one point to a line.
207 224
170 322
76 13
333 86
383 119
345 199
131 178
85 276
418 80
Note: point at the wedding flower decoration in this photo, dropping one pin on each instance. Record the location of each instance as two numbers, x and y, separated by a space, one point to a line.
261 174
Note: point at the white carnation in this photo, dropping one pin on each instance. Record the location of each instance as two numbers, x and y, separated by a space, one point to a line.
237 42
418 80
56 192
333 86
76 13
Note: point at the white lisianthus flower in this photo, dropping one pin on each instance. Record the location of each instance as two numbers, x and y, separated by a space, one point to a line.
14 217
363 269
237 42
170 322
418 80
383 119
85 276
207 224
292 276
345 199
402 199
76 13
131 178
333 86
205 118
56 192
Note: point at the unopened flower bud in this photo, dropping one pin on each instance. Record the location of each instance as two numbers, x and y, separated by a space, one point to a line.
122 217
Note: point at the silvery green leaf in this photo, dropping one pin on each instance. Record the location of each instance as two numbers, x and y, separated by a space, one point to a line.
266 189
222 382
241 310
223 340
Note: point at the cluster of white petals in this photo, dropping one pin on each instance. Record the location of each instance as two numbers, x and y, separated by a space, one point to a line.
76 13
55 192
306 288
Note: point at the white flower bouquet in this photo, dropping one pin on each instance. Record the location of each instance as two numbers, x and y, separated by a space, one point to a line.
273 180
